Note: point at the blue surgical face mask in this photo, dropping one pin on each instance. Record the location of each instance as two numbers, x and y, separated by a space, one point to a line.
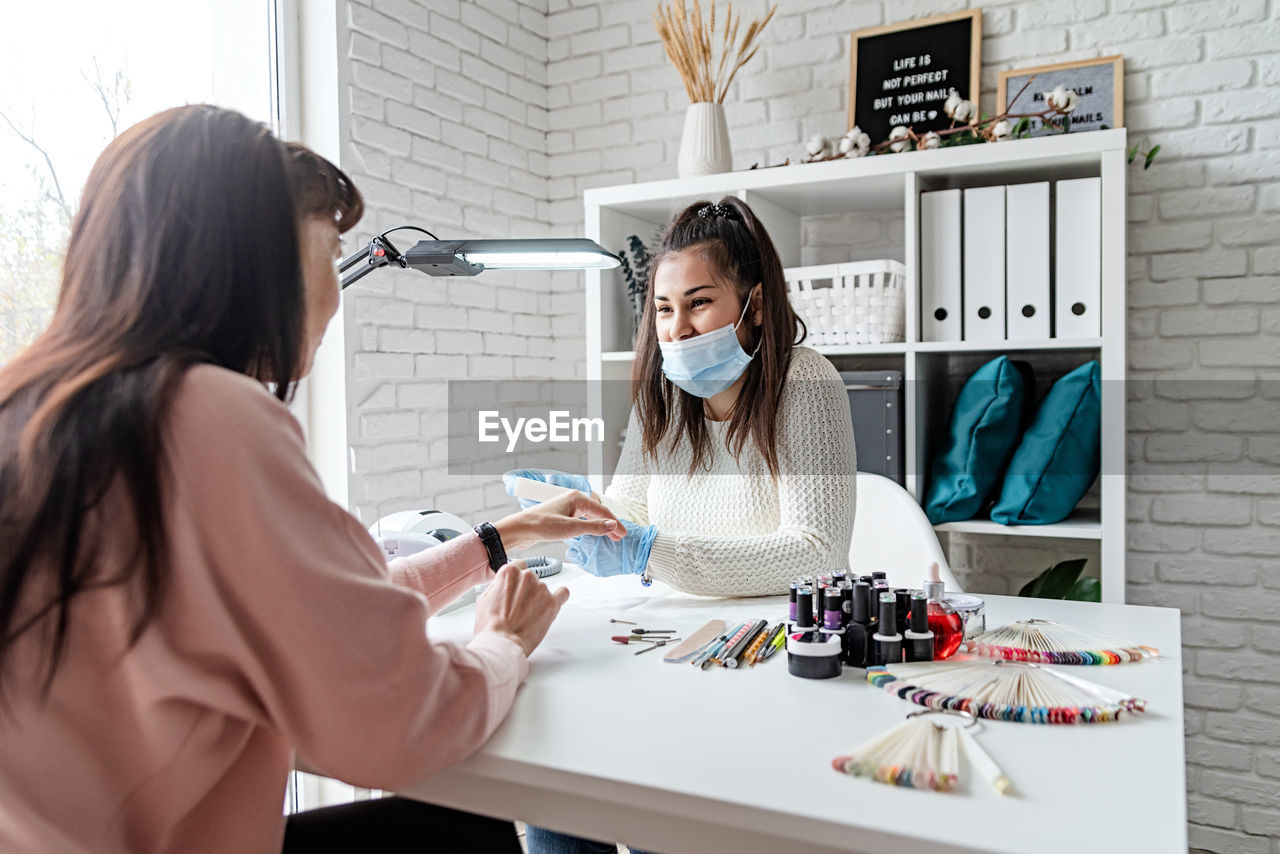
707 364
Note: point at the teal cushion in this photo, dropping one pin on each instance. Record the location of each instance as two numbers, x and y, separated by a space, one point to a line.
984 430
1058 458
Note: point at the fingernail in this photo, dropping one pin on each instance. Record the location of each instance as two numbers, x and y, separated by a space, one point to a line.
610 524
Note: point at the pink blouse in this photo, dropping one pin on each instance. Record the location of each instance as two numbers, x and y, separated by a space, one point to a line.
281 633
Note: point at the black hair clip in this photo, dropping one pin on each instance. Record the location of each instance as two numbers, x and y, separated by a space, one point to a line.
708 211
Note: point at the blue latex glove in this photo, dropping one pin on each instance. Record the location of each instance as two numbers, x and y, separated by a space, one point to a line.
602 556
555 478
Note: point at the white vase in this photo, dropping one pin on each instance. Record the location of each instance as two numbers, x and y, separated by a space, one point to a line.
704 146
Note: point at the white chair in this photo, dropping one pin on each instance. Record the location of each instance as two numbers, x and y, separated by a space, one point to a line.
891 533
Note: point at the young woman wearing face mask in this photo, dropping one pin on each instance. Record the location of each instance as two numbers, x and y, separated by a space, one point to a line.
738 469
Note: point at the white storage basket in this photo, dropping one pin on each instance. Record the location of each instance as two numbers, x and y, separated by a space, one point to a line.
858 302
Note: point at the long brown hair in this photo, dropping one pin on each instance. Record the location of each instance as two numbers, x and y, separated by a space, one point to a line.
184 251
738 249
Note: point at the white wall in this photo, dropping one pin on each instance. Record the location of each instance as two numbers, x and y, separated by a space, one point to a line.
448 132
498 120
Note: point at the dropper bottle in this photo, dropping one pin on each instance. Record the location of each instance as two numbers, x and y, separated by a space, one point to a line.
945 623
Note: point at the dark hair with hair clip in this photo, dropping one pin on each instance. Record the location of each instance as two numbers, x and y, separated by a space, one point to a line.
739 251
707 211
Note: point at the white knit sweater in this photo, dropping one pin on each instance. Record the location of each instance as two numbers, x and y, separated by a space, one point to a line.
732 530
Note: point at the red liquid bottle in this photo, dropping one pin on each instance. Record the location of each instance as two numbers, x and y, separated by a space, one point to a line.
945 623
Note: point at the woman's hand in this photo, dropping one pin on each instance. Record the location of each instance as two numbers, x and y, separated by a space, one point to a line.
562 518
551 476
518 606
603 557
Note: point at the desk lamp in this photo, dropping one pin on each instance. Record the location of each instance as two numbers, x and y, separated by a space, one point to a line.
437 257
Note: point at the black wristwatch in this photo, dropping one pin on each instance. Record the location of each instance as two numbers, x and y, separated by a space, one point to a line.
492 544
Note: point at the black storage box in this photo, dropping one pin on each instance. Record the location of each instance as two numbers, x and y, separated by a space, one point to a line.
875 399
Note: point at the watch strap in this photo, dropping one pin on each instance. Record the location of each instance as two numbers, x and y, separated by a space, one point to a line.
492 545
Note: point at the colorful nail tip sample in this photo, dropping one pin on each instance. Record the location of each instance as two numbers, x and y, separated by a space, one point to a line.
1046 642
1024 694
915 754
921 753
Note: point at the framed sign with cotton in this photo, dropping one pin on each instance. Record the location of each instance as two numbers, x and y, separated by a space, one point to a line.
900 75
1092 90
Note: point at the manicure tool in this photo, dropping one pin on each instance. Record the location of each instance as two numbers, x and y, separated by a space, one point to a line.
715 646
658 643
637 636
696 642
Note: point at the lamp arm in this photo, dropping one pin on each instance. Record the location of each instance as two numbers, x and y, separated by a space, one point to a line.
378 252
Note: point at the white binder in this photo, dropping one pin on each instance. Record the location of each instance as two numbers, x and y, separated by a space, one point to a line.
1027 261
984 308
1078 259
940 318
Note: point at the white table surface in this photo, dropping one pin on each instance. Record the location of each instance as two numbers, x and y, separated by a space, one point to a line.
670 758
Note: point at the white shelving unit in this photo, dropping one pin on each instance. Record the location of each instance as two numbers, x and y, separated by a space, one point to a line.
879 186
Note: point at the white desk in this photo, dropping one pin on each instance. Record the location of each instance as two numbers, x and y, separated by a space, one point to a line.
669 758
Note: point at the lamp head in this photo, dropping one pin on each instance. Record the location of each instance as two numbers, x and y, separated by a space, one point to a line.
472 257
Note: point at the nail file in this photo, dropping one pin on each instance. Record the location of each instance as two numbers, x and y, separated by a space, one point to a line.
536 490
696 641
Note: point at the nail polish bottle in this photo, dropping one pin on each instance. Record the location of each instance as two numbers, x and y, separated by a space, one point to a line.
902 607
946 625
888 648
791 603
832 612
804 610
858 636
878 588
819 596
917 640
846 603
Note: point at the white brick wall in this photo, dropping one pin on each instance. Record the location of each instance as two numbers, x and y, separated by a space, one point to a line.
450 129
492 117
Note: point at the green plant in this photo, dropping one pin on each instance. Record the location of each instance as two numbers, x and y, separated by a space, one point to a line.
1063 581
1148 156
635 271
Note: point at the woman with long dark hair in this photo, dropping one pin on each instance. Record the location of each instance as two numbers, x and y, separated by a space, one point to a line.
738 470
182 610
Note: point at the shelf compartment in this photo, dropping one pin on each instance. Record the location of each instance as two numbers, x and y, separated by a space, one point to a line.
901 348
1080 525
835 350
1007 346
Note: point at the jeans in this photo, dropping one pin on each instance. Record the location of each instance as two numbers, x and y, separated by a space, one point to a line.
543 841
396 824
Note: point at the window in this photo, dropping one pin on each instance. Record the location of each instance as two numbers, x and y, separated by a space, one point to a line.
63 99
112 64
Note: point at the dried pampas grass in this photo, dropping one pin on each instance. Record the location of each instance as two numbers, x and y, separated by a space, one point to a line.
692 45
